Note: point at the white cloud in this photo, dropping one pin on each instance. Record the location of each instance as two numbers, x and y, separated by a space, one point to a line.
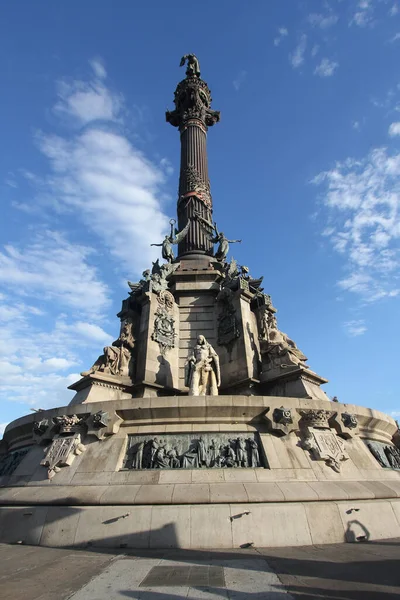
394 9
98 68
297 57
115 189
362 198
51 268
35 358
314 50
394 38
93 332
355 328
363 15
86 101
356 125
99 179
394 129
282 33
239 80
326 68
100 175
322 21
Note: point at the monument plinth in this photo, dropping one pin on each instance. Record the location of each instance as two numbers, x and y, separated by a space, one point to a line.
202 424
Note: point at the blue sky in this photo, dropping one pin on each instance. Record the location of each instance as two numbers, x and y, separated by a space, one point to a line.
304 167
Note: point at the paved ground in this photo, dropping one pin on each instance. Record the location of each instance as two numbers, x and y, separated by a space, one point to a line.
363 571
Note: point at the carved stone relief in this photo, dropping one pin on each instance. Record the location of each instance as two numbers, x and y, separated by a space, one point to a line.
66 444
325 445
10 461
349 420
283 416
322 441
183 451
388 456
164 324
62 452
228 326
103 424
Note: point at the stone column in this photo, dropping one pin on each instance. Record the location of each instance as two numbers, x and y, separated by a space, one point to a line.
193 116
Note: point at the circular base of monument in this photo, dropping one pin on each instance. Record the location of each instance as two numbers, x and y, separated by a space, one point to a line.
288 471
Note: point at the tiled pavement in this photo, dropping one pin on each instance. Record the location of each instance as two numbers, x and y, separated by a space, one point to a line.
362 571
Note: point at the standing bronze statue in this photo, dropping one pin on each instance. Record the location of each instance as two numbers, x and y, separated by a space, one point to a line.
193 67
217 237
172 239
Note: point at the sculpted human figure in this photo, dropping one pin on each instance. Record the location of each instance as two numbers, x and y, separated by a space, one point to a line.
217 237
203 453
255 456
202 373
281 346
241 452
172 239
193 67
116 358
172 454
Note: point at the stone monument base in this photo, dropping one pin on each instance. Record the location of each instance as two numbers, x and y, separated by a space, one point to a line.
100 387
297 382
319 474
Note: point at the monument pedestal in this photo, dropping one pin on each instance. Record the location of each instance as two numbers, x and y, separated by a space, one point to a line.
101 387
295 382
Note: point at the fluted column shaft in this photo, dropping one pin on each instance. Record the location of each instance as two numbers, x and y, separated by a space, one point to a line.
194 188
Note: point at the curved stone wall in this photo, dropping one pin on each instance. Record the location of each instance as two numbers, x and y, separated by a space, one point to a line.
299 495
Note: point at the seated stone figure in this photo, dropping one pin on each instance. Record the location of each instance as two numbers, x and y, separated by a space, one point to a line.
281 349
116 358
202 373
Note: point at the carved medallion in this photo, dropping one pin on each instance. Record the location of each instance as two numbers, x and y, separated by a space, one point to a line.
349 420
164 330
283 416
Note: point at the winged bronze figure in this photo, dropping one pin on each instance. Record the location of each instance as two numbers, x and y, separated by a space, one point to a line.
216 237
171 239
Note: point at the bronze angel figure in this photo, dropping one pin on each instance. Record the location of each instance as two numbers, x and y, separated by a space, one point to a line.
171 239
217 237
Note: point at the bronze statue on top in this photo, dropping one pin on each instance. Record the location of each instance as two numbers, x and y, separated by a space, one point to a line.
193 67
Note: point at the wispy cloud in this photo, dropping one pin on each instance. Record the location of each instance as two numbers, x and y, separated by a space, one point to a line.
362 198
239 80
322 21
394 129
86 101
297 57
54 306
355 328
363 15
326 68
50 268
98 173
394 38
282 34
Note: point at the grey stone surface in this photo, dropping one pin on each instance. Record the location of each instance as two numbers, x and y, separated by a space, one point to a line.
366 571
